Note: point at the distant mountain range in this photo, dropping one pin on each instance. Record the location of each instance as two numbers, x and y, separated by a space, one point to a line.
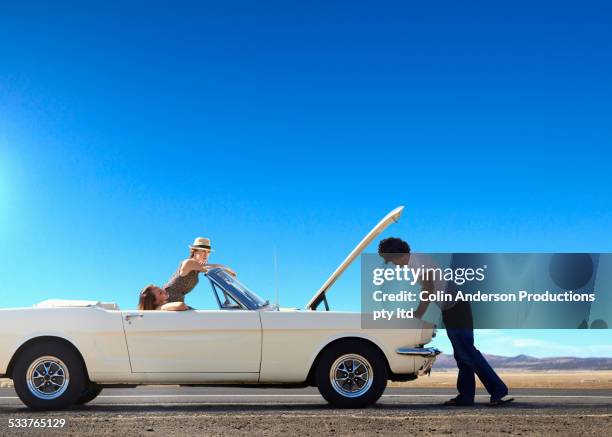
526 363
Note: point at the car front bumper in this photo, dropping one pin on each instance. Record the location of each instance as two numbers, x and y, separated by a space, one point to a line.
427 354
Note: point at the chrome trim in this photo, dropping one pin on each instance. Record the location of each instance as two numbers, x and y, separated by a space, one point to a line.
418 351
428 354
425 368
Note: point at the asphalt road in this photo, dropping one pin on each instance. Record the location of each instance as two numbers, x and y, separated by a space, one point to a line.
255 411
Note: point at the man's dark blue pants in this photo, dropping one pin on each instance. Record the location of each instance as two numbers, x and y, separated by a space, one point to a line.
460 330
470 362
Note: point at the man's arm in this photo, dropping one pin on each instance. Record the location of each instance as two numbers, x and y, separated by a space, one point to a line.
427 287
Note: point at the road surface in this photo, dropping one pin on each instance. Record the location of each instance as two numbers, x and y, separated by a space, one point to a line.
182 411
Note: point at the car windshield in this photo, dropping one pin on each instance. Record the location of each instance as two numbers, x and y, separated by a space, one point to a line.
238 289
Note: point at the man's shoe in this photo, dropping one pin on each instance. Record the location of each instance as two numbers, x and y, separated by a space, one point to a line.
458 402
500 402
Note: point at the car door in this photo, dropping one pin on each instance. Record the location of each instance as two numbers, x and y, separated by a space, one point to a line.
217 341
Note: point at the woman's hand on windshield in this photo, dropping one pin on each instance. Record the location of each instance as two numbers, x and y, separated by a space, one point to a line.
220 266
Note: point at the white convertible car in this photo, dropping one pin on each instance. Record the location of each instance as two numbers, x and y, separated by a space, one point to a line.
61 353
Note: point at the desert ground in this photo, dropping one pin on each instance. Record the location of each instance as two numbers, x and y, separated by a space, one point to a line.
568 403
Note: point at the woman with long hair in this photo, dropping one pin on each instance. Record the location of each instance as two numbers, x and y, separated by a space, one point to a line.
154 298
187 275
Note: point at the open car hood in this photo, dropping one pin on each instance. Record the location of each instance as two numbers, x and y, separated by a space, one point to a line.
392 217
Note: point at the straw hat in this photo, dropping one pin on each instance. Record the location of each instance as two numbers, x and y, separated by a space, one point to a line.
201 243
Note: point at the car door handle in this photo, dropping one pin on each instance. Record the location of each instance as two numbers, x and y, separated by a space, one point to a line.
129 317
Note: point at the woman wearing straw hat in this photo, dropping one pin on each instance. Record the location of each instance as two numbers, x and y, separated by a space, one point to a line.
186 277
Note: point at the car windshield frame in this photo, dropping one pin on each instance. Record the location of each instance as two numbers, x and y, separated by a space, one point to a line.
235 289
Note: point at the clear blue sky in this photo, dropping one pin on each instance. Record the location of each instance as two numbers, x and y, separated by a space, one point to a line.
129 128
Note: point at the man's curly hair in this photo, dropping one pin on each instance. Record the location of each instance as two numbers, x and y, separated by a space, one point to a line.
390 247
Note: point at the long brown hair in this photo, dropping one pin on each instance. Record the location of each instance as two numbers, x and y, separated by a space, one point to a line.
146 302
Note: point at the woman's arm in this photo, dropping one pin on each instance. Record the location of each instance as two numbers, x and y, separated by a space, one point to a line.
190 265
174 306
227 269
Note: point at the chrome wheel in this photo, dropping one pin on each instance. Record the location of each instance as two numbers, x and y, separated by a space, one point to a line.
351 375
47 378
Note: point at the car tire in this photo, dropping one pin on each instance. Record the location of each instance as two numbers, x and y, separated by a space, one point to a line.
351 374
49 376
92 391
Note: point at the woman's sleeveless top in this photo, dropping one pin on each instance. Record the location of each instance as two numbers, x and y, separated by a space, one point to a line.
178 286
